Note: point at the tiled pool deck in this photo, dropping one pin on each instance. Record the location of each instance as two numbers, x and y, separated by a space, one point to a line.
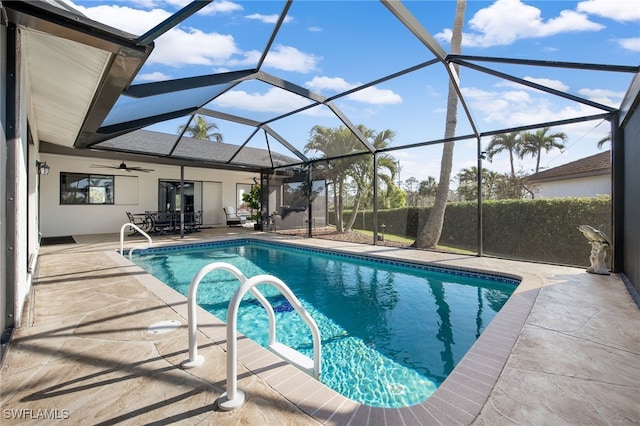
565 349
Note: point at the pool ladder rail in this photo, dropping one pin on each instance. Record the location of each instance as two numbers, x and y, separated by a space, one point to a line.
134 226
233 397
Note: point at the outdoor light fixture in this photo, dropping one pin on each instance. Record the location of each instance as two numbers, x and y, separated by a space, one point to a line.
43 168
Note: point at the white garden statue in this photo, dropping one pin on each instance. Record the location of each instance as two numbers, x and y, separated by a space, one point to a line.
600 249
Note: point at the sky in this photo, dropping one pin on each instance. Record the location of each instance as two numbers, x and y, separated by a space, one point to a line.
333 46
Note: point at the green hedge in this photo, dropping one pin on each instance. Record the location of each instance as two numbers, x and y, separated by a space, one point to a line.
542 230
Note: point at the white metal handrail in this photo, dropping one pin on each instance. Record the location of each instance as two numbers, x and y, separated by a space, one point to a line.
195 359
134 226
233 398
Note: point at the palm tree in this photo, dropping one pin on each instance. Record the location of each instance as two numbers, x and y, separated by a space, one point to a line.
202 129
534 143
333 143
361 171
468 183
604 140
429 232
505 141
427 190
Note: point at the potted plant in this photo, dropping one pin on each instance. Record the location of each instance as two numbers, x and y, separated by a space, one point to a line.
253 199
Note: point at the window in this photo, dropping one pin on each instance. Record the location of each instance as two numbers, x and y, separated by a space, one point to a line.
81 188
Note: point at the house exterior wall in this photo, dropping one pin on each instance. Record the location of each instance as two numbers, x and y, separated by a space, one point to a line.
134 192
579 187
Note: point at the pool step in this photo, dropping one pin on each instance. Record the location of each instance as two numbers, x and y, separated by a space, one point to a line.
294 357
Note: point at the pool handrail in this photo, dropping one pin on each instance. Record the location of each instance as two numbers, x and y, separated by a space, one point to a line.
195 359
233 398
134 226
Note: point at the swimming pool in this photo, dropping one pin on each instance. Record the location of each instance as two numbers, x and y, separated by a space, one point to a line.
391 331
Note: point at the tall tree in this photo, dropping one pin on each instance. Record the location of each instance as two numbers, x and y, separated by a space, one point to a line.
468 183
505 142
534 143
333 143
361 171
429 232
411 186
427 191
202 129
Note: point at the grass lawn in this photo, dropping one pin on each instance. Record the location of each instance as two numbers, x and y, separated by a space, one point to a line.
409 241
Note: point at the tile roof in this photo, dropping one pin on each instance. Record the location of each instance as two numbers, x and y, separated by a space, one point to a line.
594 165
156 143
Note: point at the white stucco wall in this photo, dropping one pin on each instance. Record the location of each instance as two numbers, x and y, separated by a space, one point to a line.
60 220
580 187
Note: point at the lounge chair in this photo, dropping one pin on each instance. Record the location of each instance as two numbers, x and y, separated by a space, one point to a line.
232 217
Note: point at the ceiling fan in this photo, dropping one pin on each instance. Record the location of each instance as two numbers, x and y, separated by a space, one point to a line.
123 166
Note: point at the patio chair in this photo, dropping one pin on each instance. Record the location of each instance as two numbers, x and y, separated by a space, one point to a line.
140 220
163 221
191 222
232 217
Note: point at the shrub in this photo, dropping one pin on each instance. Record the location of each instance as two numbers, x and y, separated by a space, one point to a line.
543 230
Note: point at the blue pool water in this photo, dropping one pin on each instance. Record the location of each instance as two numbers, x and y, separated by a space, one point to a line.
391 332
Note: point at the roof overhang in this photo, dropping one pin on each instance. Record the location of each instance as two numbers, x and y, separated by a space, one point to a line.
76 69
49 148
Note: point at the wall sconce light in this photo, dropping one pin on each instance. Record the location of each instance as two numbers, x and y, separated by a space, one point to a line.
43 168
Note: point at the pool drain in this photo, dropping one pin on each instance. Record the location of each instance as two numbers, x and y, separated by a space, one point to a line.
163 327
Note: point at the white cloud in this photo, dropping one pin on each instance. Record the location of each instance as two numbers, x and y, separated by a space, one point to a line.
333 84
513 108
214 8
507 21
553 84
373 95
314 29
618 10
190 46
134 21
288 58
605 97
217 7
178 47
268 19
273 100
153 76
369 95
632 44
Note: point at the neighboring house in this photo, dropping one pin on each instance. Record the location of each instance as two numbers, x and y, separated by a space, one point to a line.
587 177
